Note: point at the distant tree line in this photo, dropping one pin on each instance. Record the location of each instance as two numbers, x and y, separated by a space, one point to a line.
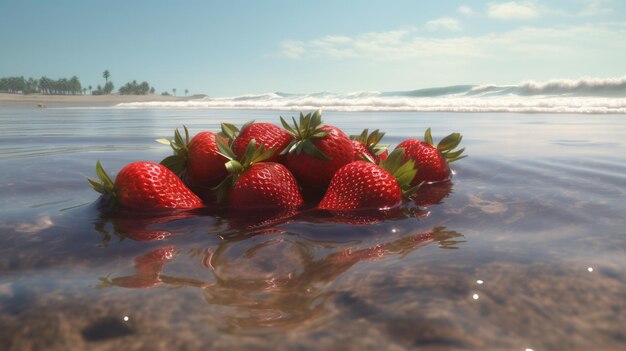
44 85
134 88
72 86
103 90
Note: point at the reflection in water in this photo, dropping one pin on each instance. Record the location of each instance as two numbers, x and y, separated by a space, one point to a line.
41 223
432 194
271 278
151 226
139 226
148 269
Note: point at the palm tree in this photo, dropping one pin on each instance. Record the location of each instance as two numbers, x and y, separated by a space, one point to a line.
90 89
106 75
186 91
174 90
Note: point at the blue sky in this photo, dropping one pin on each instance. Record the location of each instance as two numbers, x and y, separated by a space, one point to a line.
225 48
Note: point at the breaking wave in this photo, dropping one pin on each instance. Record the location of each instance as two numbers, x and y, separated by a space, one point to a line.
588 95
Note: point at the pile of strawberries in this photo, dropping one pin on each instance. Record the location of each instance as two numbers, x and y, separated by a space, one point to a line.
264 166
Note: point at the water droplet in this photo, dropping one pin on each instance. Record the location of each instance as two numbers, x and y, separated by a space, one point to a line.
125 318
475 296
590 269
479 281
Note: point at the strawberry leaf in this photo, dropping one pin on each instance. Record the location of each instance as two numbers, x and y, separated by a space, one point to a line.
371 141
428 137
310 149
105 185
229 131
233 167
224 149
452 154
223 189
449 142
304 130
367 158
403 171
456 159
164 141
176 164
287 126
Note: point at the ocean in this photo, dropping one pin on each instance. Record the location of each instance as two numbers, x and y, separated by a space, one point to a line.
587 95
524 249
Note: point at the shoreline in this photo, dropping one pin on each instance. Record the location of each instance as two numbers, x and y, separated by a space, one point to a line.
43 101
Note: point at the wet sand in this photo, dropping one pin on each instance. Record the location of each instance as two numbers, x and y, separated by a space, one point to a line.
43 101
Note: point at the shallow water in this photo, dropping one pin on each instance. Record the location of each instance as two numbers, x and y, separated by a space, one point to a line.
526 249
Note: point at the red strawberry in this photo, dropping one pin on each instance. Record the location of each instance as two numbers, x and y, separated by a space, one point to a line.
317 151
257 184
366 146
432 161
198 160
145 186
273 137
364 185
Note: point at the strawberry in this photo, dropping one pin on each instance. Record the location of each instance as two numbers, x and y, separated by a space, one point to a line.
196 161
317 151
366 146
272 136
364 185
432 161
256 184
145 186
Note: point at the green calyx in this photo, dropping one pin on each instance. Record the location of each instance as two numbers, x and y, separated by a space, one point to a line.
371 141
254 153
305 132
177 162
104 185
230 131
447 145
403 171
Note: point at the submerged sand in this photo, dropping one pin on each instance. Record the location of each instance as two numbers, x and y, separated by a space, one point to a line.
43 101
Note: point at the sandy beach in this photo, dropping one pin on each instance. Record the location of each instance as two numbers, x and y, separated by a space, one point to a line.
40 100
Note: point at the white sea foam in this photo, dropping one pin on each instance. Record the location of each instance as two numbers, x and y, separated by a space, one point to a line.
588 95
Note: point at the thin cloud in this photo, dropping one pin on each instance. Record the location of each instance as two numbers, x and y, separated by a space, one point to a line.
595 7
513 10
529 42
292 49
443 23
466 10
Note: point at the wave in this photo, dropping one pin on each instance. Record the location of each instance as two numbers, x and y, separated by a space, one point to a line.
587 95
608 87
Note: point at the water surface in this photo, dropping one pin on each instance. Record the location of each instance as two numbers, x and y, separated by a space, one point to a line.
526 248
